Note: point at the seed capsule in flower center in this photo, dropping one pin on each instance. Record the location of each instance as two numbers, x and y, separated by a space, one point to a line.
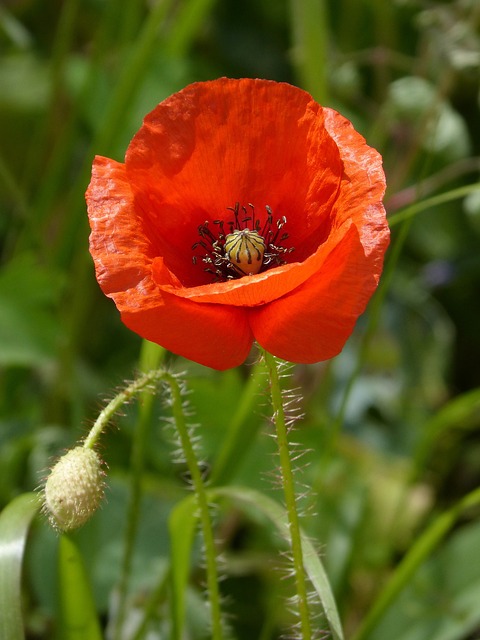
248 249
244 249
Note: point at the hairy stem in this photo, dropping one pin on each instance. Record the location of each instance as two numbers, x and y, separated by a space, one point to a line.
202 504
289 495
118 401
135 388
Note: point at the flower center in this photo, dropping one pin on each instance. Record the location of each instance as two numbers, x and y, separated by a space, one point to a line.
246 248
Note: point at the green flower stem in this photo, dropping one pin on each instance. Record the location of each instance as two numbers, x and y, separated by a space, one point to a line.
135 388
118 401
289 494
202 503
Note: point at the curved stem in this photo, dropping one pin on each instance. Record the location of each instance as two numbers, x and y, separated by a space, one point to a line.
289 495
150 357
136 387
114 405
118 401
202 503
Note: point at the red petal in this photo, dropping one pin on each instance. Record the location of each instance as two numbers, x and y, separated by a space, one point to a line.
213 335
119 246
361 193
123 258
313 322
217 143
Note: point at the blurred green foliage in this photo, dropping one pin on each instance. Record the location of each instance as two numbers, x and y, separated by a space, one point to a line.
391 425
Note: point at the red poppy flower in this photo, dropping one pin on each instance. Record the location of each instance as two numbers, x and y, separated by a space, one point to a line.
244 211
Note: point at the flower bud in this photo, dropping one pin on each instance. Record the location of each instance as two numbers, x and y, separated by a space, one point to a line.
74 489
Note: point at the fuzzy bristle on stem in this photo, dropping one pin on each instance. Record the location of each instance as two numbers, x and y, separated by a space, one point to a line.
279 418
198 485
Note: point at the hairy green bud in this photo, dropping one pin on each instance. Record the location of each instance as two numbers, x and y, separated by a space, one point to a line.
74 489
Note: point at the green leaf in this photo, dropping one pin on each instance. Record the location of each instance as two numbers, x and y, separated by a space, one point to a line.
77 608
15 522
29 328
182 529
441 600
312 563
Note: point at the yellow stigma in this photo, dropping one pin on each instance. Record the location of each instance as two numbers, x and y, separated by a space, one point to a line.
244 249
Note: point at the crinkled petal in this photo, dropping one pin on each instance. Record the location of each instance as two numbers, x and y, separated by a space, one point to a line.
121 250
255 290
217 143
313 322
123 256
361 193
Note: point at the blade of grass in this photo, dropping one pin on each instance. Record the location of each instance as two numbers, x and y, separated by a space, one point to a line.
310 46
152 605
69 251
15 521
61 47
77 607
55 167
241 431
186 26
429 203
110 123
420 551
129 80
131 16
182 523
13 188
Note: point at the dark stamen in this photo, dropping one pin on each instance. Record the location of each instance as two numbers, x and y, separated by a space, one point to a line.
246 224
